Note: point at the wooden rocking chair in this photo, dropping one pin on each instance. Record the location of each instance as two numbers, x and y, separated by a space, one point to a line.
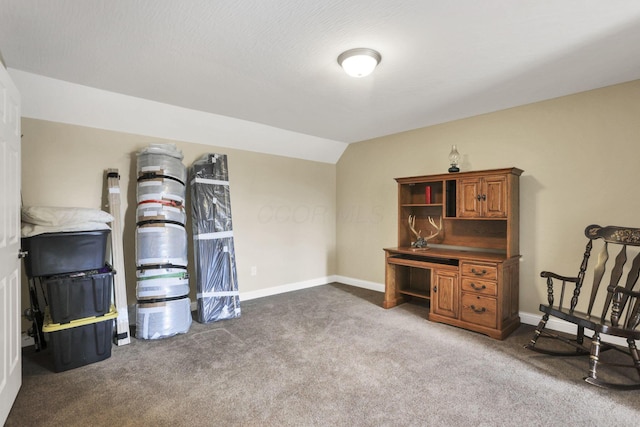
614 299
627 329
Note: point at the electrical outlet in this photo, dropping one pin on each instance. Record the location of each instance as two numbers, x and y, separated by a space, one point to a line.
254 270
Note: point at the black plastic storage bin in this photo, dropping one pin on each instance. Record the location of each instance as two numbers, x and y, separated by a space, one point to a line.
76 296
81 341
65 252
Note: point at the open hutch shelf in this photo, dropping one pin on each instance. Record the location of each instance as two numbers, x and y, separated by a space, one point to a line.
469 270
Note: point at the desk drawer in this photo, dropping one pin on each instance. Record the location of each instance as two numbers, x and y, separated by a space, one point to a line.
484 287
480 270
478 309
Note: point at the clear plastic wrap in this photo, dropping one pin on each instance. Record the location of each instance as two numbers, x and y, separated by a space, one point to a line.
214 253
162 160
162 288
159 244
170 150
162 283
213 207
161 190
154 212
163 319
217 297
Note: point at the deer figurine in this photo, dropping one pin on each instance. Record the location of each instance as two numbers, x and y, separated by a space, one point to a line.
421 242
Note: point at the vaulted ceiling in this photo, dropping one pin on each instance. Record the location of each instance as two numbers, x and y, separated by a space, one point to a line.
274 62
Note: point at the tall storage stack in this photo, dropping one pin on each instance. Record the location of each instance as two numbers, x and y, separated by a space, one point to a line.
216 279
66 253
163 306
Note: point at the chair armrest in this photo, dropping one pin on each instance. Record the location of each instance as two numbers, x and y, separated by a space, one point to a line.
627 292
564 279
621 296
548 274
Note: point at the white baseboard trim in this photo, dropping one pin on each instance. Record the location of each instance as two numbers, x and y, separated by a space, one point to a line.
297 286
359 283
281 289
260 293
559 325
534 319
290 287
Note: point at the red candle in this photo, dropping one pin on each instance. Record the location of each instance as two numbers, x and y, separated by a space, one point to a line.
428 195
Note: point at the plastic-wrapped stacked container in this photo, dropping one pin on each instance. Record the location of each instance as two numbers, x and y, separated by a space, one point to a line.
155 283
80 341
163 306
66 251
216 278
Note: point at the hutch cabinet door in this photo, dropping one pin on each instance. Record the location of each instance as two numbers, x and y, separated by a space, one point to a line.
495 190
469 191
445 293
484 197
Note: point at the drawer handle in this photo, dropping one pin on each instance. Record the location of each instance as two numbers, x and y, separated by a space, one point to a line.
478 288
479 273
478 310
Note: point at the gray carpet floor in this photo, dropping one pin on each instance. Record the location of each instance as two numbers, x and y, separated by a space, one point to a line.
324 356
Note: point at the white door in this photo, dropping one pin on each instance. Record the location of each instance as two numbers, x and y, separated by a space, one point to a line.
10 349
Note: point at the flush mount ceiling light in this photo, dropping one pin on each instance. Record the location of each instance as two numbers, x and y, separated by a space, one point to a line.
359 62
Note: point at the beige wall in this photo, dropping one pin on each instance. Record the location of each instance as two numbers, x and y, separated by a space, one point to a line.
293 222
580 158
283 208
